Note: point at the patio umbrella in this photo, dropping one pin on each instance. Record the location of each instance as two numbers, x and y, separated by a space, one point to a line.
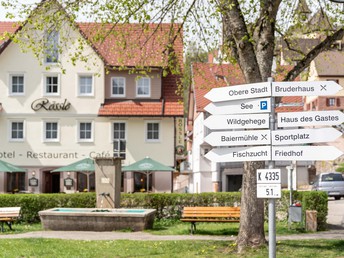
8 167
84 165
147 166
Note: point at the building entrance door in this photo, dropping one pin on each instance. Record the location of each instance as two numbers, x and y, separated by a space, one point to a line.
234 183
51 182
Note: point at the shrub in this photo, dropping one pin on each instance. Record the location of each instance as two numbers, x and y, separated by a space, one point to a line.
168 205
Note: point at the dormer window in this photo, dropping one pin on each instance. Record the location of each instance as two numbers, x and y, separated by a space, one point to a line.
51 47
143 87
118 87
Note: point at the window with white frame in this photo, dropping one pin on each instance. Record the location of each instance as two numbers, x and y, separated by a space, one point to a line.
85 85
51 131
85 131
51 85
119 139
152 131
118 86
143 86
17 131
17 84
51 47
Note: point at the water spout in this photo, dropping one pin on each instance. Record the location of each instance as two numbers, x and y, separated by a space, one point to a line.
104 194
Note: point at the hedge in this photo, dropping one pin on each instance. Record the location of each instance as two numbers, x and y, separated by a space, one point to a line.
168 205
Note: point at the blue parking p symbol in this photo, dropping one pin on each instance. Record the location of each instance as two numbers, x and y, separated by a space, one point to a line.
263 105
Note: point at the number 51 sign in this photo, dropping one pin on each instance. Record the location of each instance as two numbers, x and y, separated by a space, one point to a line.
268 183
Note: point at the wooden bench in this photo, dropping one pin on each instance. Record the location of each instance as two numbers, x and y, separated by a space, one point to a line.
210 214
8 215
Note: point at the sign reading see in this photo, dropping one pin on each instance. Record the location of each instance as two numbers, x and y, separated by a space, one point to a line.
266 176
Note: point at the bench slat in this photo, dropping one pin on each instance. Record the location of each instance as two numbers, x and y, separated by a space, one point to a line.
210 214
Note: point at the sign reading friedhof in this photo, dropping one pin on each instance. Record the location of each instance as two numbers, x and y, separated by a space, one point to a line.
236 138
262 105
305 153
244 121
309 118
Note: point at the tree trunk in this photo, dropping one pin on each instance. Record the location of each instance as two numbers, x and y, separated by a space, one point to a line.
251 231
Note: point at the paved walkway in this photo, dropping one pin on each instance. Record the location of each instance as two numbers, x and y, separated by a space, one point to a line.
88 235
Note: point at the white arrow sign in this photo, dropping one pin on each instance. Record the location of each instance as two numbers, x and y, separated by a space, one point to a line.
239 106
237 121
313 88
305 153
291 119
239 154
298 136
237 138
245 91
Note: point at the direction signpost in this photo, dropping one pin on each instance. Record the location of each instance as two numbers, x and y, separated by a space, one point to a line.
245 91
261 105
309 118
305 153
237 138
305 88
302 136
239 154
244 121
246 107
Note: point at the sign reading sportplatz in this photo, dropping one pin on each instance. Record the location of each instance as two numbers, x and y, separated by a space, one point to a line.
302 136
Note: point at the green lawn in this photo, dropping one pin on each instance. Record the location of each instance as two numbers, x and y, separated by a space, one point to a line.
124 248
57 248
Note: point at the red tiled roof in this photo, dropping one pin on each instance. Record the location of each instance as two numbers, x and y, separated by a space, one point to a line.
132 44
127 44
170 105
7 27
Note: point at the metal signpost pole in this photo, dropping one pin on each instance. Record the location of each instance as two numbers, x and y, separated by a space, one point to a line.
272 210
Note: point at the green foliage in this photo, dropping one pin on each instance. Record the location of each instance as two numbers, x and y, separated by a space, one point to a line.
168 205
31 204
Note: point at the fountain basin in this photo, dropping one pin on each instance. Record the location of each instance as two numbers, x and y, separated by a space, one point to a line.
92 219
